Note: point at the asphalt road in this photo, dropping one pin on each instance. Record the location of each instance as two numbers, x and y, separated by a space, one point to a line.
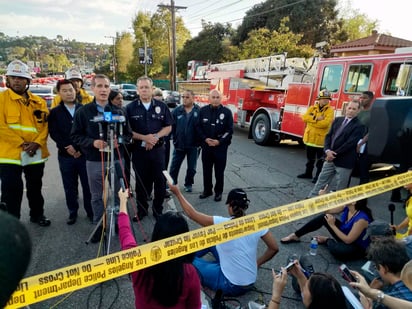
268 174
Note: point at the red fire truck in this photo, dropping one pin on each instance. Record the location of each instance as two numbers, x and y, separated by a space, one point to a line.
269 95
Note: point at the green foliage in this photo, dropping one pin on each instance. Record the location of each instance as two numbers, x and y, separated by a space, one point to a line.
263 42
316 20
356 24
208 45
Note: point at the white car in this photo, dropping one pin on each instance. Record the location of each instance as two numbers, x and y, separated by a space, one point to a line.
43 91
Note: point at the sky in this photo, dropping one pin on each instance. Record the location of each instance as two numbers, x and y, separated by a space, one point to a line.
97 20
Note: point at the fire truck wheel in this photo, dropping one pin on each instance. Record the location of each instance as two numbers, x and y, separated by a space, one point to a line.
261 130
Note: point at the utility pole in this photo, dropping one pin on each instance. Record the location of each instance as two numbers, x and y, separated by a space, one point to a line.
145 54
114 56
173 9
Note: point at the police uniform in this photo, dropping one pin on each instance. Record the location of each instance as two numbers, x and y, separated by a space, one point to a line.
214 123
149 164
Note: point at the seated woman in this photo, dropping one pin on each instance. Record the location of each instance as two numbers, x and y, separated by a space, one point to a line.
172 284
320 291
234 270
349 233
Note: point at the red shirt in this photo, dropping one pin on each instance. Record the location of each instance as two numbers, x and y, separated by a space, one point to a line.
190 297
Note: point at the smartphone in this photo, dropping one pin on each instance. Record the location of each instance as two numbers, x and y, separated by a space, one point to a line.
289 266
346 274
168 177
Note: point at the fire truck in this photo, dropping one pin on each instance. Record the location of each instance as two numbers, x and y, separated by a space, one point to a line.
269 95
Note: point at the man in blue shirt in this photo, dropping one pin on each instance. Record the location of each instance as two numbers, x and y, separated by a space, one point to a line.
389 256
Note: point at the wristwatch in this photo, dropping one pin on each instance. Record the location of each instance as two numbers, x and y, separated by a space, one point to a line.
380 297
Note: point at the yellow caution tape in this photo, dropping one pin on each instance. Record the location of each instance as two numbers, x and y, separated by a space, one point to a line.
67 279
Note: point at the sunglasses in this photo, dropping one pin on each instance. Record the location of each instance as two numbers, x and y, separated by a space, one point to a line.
185 97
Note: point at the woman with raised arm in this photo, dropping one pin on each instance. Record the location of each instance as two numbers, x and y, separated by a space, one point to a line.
234 270
173 284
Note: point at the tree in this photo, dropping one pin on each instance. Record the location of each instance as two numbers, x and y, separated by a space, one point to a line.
356 24
157 30
316 20
124 54
208 45
263 42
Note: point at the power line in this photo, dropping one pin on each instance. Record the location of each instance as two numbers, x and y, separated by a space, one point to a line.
215 9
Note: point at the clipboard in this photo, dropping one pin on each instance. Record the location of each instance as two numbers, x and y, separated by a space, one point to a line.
27 160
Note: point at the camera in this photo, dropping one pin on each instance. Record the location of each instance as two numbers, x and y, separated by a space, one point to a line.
346 274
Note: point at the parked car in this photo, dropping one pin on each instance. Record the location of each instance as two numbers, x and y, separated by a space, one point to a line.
2 81
128 91
45 92
173 99
114 87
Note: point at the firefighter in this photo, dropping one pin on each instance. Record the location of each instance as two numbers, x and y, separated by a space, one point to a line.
23 144
151 121
318 119
82 96
215 131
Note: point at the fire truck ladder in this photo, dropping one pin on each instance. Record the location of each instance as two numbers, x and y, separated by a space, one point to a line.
274 71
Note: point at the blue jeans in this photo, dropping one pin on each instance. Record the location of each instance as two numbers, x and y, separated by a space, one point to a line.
71 170
178 157
211 274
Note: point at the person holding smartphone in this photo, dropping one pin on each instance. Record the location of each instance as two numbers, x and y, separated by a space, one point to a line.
320 291
389 257
173 284
235 264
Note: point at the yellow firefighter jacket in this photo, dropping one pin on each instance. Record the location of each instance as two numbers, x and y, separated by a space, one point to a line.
85 98
316 130
22 121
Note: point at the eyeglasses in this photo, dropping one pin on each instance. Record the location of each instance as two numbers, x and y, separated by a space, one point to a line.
185 97
215 97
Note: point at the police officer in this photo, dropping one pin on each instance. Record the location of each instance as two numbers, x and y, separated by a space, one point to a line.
23 143
82 96
150 121
215 130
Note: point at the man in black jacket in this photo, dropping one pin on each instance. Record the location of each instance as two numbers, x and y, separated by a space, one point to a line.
72 162
340 150
215 131
91 133
185 140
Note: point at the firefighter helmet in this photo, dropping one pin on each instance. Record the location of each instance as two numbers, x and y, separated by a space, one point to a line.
19 69
324 94
73 73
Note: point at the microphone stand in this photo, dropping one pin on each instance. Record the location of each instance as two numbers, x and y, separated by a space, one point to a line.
111 211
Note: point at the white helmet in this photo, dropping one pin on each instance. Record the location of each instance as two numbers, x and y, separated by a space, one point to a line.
73 73
19 69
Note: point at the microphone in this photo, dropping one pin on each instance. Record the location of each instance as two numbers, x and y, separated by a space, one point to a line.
119 174
15 252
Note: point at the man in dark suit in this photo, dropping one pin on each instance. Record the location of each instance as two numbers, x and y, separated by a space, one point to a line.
340 149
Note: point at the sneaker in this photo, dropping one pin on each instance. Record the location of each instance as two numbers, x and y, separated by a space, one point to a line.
188 189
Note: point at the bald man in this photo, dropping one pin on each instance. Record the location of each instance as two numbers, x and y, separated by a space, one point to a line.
215 131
